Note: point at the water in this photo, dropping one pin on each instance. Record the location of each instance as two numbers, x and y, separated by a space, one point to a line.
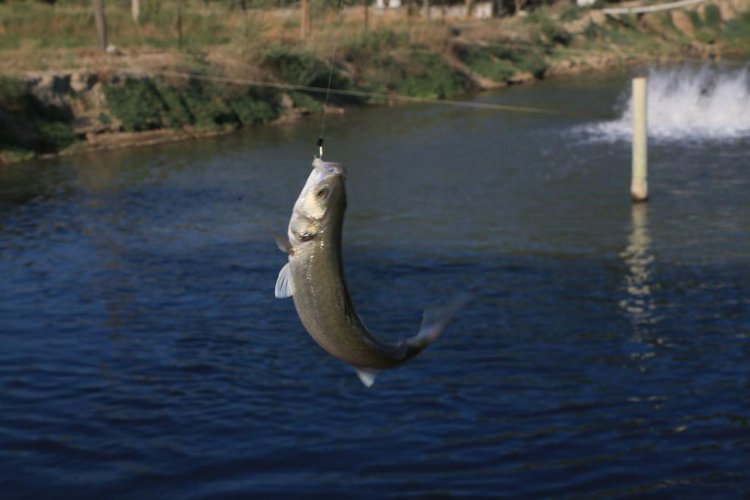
605 351
688 104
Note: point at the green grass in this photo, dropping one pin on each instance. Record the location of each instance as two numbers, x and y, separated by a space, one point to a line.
136 103
33 126
306 102
13 154
695 19
374 42
737 31
296 66
144 104
571 13
712 16
553 32
429 76
70 24
483 61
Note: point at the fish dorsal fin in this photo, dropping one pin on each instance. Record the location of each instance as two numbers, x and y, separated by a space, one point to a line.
367 376
284 283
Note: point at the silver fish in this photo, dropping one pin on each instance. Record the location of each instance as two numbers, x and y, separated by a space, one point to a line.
314 277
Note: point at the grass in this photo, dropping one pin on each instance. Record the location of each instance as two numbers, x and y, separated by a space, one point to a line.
712 16
428 75
145 104
483 61
500 61
28 125
737 31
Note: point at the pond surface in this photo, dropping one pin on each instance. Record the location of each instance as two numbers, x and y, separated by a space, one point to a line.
606 350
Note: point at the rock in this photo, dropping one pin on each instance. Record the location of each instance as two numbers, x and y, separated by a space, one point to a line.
598 17
727 11
286 101
82 82
521 77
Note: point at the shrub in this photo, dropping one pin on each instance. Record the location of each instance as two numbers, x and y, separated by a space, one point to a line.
255 107
712 15
55 135
136 103
429 76
304 101
12 92
36 126
554 32
483 61
298 68
176 113
373 43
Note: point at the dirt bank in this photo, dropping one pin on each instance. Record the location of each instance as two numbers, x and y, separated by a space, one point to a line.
83 99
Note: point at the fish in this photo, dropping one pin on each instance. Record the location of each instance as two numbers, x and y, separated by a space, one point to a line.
314 277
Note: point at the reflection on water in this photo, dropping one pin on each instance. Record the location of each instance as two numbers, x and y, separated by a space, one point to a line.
639 304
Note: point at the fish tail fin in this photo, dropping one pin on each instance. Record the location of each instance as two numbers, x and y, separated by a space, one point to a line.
434 321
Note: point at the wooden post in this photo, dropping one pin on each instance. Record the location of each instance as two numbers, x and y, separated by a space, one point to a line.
179 24
135 10
305 19
101 24
639 182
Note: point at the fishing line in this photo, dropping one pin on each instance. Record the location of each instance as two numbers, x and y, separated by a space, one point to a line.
490 106
321 137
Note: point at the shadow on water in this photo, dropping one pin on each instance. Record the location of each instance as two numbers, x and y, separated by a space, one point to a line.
605 351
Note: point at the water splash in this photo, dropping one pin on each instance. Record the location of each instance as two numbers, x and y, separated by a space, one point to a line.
702 104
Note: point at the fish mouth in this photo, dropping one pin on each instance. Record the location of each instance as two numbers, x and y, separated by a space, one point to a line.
326 169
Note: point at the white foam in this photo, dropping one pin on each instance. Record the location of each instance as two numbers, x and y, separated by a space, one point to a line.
687 103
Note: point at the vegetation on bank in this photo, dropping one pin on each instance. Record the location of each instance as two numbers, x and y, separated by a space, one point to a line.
391 54
28 125
142 104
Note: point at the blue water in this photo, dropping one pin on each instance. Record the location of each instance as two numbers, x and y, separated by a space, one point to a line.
605 351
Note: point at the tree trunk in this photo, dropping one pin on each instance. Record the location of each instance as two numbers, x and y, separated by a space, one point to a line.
305 18
101 24
470 8
367 14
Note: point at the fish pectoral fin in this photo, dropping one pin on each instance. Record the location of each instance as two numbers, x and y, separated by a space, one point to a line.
284 283
366 375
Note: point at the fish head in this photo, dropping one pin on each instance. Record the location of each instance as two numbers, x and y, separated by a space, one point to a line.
322 197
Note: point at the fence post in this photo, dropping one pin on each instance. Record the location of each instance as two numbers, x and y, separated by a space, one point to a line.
135 10
101 24
639 182
305 19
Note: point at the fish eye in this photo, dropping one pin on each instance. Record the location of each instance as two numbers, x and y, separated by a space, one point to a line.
322 193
